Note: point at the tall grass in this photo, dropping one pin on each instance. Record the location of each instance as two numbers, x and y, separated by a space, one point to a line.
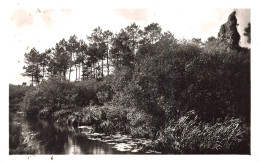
189 135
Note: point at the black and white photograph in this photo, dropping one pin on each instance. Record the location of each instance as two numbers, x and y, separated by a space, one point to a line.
133 81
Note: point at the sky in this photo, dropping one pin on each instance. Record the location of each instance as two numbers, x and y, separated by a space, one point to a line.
42 27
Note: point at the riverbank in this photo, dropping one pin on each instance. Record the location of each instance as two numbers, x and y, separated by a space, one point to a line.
188 133
21 138
109 120
106 119
38 136
115 125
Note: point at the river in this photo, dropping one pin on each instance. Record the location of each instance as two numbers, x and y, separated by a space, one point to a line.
35 136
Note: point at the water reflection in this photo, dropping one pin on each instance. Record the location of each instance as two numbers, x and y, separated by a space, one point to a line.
21 138
48 138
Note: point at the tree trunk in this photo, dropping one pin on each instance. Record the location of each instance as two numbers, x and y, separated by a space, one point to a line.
32 79
37 76
69 73
43 72
83 73
93 71
70 64
64 74
76 72
102 74
79 71
60 75
107 60
133 55
76 67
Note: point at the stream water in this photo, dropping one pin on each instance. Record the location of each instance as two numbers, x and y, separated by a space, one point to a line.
35 136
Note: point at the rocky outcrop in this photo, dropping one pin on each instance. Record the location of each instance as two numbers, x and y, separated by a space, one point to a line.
228 34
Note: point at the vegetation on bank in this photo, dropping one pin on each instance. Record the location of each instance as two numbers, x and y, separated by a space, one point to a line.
21 139
16 94
188 96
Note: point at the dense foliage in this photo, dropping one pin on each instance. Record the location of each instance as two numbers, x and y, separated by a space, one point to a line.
53 95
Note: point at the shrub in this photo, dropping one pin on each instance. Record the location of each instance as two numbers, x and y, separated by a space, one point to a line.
44 113
118 116
84 92
108 127
31 103
140 124
50 95
61 115
91 90
54 95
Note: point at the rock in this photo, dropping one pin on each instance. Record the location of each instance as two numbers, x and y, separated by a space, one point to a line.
228 33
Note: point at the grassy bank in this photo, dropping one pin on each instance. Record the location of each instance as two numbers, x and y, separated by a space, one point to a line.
21 139
106 119
188 135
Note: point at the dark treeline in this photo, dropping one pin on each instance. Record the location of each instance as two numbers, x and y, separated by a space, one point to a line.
92 60
188 96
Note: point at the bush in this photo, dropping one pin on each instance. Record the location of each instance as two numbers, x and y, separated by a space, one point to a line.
84 92
141 124
118 116
54 95
50 95
108 127
61 116
44 113
31 104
